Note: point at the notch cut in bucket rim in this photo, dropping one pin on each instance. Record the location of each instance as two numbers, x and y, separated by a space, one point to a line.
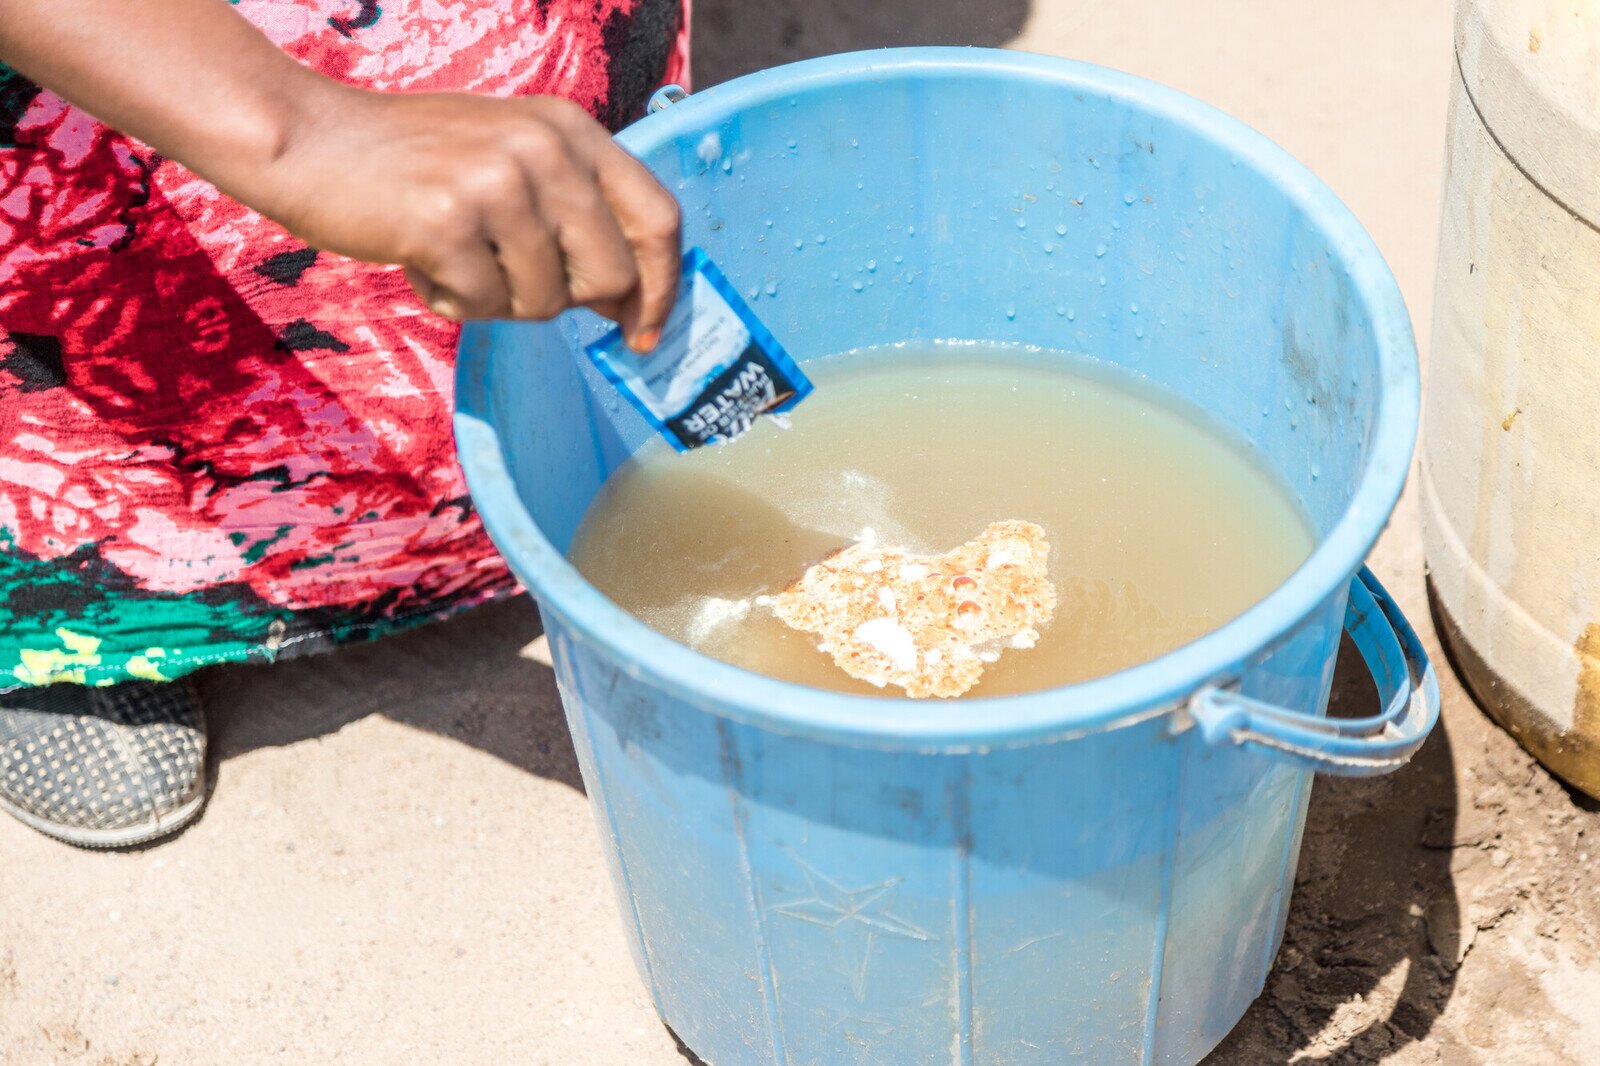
1136 693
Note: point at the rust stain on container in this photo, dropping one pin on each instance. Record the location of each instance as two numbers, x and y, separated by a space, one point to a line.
1572 754
1586 704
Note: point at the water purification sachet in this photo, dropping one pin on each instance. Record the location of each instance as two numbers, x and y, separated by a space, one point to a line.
716 369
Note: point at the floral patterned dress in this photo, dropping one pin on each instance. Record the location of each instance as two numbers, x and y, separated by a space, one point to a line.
217 444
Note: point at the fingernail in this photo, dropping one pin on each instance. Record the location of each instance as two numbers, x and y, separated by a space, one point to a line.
445 307
645 342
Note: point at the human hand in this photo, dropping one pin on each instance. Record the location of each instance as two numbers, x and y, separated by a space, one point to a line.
515 208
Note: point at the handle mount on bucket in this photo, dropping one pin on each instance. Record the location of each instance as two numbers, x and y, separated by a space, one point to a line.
665 97
1353 747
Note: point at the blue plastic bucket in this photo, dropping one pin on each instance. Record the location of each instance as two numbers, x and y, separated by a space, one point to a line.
1097 873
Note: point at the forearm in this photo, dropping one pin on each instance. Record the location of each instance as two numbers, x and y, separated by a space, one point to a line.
496 207
191 78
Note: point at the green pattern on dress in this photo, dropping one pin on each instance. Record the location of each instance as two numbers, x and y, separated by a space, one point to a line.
48 611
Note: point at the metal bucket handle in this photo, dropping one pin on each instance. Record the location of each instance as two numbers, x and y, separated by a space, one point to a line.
1351 747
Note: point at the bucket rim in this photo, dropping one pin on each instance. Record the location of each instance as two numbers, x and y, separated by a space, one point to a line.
1132 694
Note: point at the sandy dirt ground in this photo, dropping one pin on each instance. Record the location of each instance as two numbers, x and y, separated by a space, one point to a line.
399 866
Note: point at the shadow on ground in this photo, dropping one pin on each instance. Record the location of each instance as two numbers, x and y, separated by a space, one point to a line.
1375 850
734 37
511 710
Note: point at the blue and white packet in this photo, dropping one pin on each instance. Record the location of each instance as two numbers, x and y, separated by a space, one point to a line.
716 369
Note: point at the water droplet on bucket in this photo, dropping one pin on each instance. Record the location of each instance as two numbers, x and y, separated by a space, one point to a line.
1071 314
1011 312
1060 311
1099 251
821 238
1049 248
769 223
799 243
856 285
1061 229
1022 223
754 293
1316 471
911 231
1102 281
854 143
727 166
1133 309
1138 331
899 259
1127 197
791 144
872 265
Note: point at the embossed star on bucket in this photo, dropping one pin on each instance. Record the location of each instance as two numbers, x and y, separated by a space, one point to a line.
855 914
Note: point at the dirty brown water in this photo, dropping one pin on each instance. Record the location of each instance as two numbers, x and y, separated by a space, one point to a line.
1161 526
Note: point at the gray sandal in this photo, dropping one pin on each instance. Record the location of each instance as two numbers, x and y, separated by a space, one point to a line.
103 767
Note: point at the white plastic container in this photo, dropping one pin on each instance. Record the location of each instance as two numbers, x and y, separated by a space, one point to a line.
1511 461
